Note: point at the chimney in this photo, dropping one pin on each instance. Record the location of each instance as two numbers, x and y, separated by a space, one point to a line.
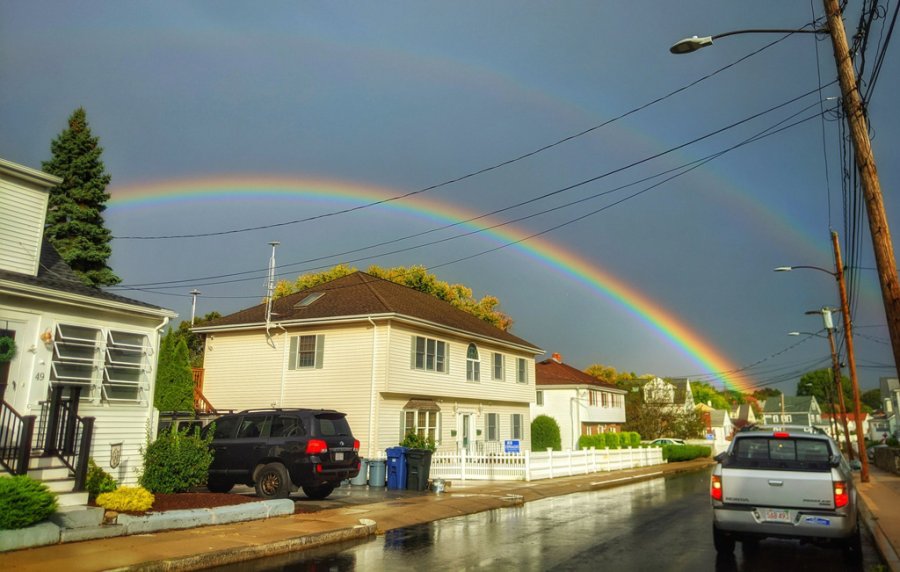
556 357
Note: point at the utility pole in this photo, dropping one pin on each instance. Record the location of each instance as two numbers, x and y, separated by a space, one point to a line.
851 359
836 370
865 164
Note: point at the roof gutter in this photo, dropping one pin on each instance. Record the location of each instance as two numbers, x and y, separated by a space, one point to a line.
49 294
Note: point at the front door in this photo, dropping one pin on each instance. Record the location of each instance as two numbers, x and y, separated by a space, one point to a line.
466 431
15 375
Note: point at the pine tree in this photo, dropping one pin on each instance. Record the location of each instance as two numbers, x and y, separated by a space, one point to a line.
75 225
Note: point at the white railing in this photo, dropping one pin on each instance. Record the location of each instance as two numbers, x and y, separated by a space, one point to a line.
530 466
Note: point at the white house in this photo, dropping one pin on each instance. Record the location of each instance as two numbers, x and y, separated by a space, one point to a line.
675 392
890 400
392 358
580 403
80 352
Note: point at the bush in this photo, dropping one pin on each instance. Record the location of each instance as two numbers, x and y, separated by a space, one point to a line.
545 434
587 441
634 439
23 502
415 441
611 440
133 499
177 461
675 453
98 481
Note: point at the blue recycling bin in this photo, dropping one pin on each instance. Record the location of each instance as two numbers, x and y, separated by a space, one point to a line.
376 473
396 468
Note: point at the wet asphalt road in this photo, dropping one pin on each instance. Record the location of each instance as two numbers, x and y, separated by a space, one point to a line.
662 524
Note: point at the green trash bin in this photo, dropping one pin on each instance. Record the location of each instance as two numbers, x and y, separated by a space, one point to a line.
418 468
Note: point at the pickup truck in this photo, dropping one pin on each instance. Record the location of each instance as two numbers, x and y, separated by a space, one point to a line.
783 482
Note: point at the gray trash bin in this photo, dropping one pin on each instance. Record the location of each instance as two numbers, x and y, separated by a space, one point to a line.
376 473
363 476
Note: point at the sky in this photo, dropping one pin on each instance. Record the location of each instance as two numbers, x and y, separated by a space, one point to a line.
616 198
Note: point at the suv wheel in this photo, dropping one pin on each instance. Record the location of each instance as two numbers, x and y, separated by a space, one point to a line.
219 485
273 482
724 544
318 492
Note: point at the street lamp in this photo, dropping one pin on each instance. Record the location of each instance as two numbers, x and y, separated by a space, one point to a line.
851 354
695 43
829 392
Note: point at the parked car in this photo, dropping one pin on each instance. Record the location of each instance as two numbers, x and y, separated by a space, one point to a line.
280 450
666 441
784 482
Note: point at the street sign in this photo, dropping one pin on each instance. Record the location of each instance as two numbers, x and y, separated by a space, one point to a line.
710 436
511 446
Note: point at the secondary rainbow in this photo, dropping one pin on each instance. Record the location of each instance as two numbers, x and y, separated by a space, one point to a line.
161 194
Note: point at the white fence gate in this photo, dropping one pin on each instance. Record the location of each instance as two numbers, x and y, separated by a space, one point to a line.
530 466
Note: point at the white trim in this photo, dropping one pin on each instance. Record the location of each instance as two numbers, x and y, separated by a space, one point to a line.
80 300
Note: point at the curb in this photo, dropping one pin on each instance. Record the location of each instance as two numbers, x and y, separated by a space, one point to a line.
365 529
885 548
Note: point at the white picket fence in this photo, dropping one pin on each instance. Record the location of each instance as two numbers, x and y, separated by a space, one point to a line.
529 466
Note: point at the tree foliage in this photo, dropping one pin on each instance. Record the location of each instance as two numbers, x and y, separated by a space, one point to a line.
872 399
417 278
545 434
75 225
820 384
174 378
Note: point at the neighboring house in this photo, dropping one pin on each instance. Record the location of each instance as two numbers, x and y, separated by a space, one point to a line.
81 352
890 399
580 403
879 427
851 421
675 392
801 410
743 415
393 358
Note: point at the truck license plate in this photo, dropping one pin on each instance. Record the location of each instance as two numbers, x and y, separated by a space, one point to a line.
338 456
776 515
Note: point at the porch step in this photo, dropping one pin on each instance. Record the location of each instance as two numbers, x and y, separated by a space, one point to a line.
72 498
58 478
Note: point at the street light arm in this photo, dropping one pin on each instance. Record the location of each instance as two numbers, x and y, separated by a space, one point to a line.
694 43
820 269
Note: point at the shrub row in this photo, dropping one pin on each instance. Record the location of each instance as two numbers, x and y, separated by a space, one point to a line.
674 453
621 440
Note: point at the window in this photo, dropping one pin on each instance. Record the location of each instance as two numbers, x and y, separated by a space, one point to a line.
492 427
593 398
114 362
306 352
429 354
539 396
604 399
521 371
473 365
422 422
498 366
516 422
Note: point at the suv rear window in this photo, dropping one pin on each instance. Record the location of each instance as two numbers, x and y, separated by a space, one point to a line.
331 425
771 453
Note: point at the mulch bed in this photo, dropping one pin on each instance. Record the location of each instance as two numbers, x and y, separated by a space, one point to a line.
180 501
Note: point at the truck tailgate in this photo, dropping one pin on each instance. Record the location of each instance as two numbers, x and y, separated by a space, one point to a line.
770 488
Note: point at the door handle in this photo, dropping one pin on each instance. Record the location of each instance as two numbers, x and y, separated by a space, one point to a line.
776 483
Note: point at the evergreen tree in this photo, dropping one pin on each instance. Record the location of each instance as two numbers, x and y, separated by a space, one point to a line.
75 225
174 379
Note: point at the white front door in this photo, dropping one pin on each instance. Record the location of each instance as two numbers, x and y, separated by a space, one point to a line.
466 430
21 327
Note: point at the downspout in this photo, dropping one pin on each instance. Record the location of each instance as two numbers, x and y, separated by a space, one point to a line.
154 413
372 393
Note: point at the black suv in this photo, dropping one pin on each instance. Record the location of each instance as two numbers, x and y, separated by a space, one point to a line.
280 450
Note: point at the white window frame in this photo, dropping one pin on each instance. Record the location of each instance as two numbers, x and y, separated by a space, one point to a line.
498 366
423 422
539 397
492 427
473 364
515 425
299 355
430 354
521 370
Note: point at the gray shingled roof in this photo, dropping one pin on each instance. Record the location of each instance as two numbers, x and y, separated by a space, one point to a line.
799 404
360 294
55 274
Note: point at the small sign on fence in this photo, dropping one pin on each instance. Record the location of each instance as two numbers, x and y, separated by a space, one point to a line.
511 446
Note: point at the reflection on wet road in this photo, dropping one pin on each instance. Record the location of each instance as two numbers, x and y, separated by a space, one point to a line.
663 524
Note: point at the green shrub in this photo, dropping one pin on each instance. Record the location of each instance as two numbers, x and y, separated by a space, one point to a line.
98 481
415 441
624 440
634 439
545 434
23 502
611 440
587 441
134 499
675 453
176 461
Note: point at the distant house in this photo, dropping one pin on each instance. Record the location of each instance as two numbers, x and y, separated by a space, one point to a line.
83 355
743 415
394 359
719 426
675 393
890 400
851 421
580 403
784 410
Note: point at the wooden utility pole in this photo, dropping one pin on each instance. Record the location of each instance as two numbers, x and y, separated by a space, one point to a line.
838 386
865 164
851 359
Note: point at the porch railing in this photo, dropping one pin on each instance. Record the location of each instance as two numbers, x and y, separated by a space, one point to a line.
16 432
66 435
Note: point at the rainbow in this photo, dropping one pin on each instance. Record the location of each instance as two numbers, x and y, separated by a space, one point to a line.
566 263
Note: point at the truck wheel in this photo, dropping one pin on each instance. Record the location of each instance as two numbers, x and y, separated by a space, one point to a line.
318 492
724 544
273 482
219 485
853 546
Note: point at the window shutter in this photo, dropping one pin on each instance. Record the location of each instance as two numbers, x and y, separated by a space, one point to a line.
412 357
320 349
292 359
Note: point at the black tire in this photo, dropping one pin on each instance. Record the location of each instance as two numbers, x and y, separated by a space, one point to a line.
724 544
273 482
852 546
219 485
318 492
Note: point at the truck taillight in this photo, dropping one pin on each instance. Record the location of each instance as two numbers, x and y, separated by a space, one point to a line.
316 446
841 496
356 445
715 488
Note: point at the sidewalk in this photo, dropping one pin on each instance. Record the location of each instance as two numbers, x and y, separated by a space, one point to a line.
376 511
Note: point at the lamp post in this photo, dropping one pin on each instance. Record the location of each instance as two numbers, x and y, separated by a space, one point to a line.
851 355
829 392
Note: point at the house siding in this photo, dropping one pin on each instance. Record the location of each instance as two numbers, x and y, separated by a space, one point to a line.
22 209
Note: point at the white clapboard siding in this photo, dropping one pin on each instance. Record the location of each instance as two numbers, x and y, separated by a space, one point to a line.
22 211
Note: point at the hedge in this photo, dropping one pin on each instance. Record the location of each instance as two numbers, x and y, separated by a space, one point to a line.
675 453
